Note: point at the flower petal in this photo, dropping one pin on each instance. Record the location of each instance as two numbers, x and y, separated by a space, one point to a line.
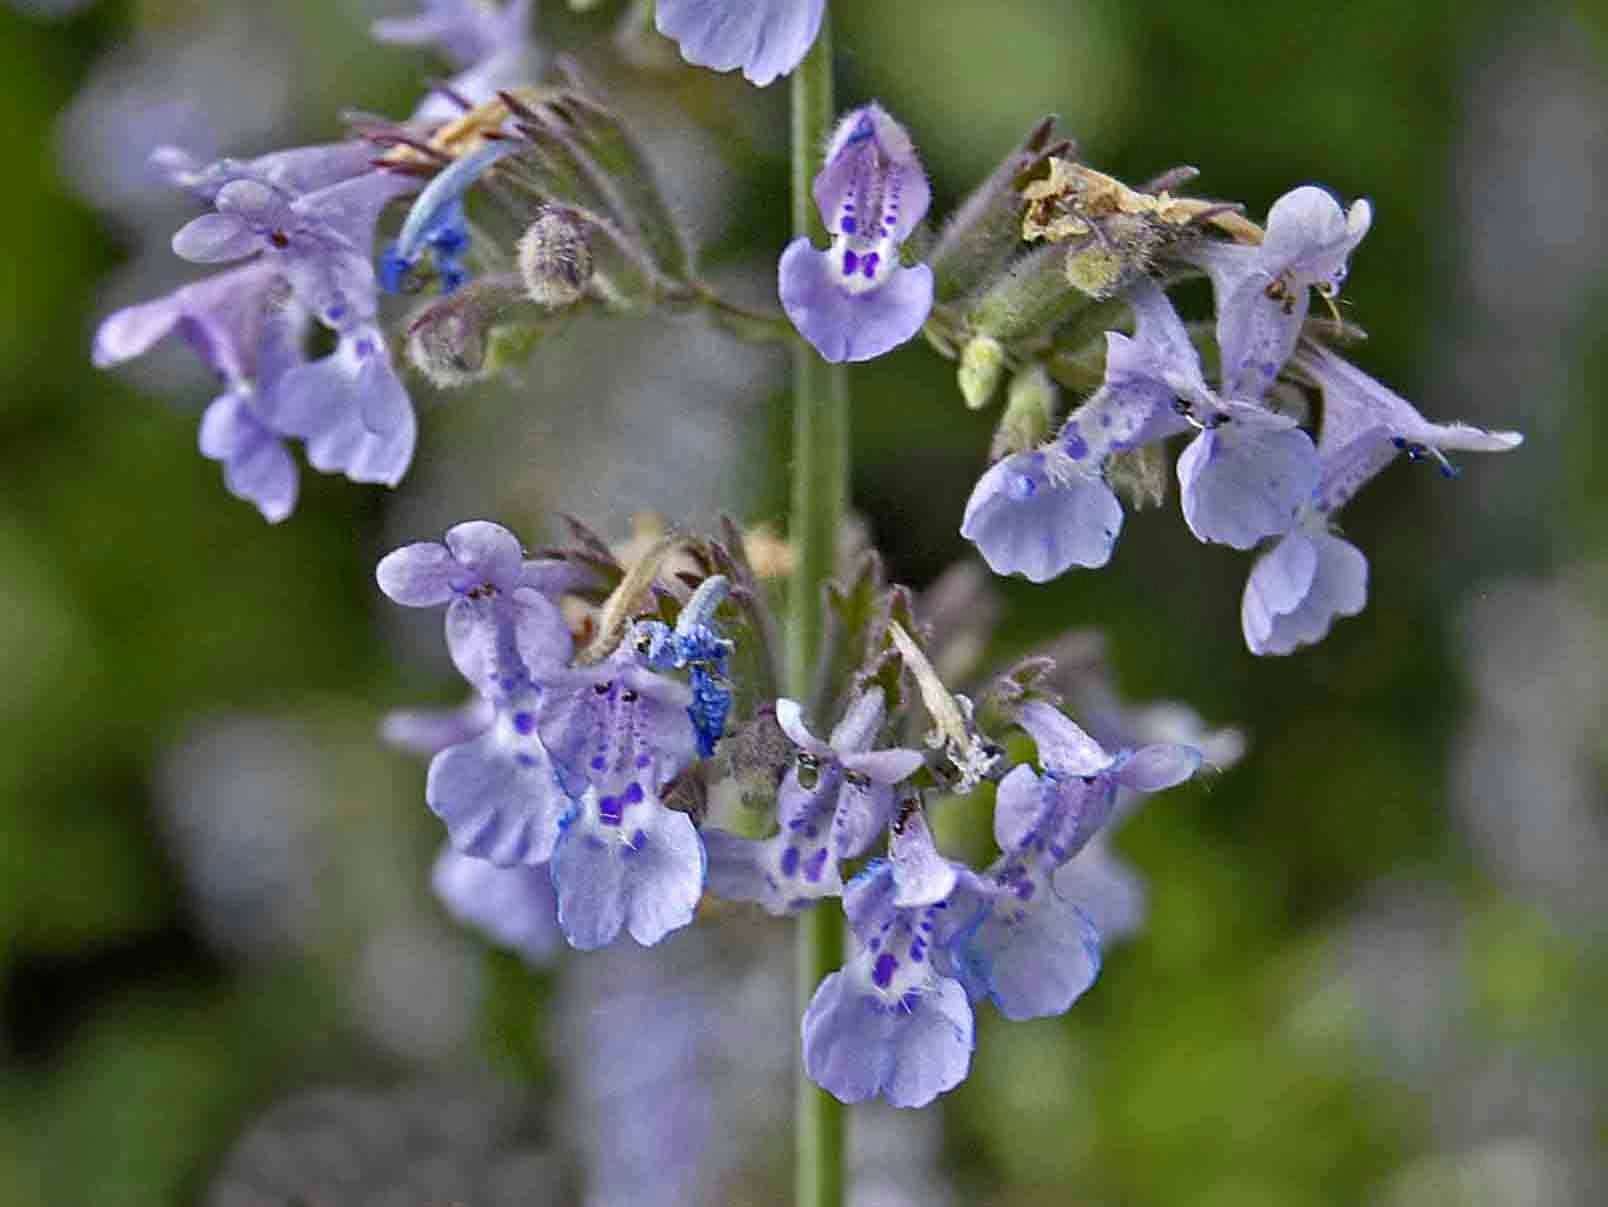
488 552
215 239
1063 747
790 716
512 907
1032 958
498 795
1026 521
766 38
856 1047
844 326
1154 768
1248 479
1338 587
634 865
420 575
921 874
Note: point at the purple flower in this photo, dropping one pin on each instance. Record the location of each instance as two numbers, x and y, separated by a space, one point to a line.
308 257
854 302
464 31
1248 472
1038 513
257 467
295 171
619 733
833 803
766 38
624 861
1263 292
889 1022
1246 476
320 240
243 334
1023 946
499 794
1298 588
503 632
512 907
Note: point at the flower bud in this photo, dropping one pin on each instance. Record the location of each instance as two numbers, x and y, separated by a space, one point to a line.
982 362
1029 412
555 259
448 341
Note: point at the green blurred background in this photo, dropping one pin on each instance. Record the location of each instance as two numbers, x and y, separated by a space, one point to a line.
1375 968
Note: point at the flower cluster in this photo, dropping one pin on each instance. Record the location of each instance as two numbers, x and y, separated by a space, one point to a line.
612 784
1250 473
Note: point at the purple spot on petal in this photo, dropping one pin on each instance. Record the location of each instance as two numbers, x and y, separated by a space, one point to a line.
847 225
525 760
633 793
524 722
790 861
598 762
882 972
609 810
1076 447
815 865
850 262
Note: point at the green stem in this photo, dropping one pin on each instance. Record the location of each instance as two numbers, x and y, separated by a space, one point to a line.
820 473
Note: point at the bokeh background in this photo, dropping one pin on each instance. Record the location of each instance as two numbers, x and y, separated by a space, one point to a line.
1375 967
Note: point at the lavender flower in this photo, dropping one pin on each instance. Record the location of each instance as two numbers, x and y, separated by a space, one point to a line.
854 302
1300 586
833 803
308 258
766 38
498 793
1024 947
295 171
891 1022
233 323
1037 514
620 734
1245 475
503 632
319 240
1263 292
513 907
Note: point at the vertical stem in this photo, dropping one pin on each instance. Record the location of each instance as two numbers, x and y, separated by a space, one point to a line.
820 472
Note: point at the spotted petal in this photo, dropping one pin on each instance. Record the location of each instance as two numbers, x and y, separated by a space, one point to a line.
1247 479
640 869
848 326
856 1046
1025 520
